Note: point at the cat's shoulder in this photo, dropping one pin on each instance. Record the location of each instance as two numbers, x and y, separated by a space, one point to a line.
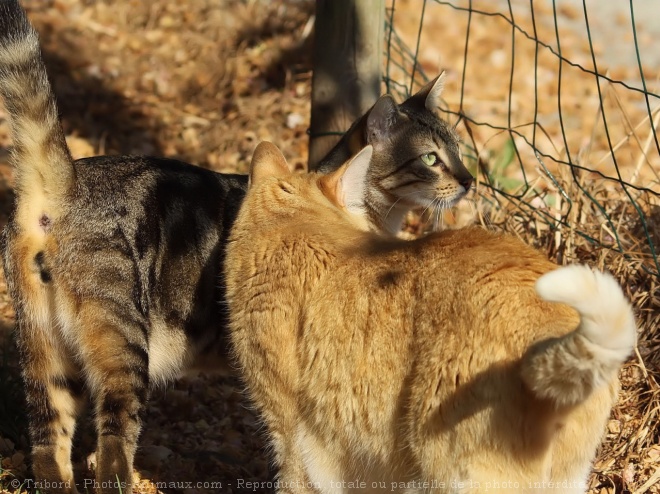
468 236
479 243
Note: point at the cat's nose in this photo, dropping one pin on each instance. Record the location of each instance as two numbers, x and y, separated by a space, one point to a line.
467 183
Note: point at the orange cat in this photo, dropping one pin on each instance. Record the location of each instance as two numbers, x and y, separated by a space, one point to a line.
442 363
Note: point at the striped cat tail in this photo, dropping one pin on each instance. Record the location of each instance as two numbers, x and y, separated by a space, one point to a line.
43 166
566 370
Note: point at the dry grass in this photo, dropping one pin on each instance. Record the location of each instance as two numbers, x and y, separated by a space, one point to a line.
582 219
629 460
206 80
574 215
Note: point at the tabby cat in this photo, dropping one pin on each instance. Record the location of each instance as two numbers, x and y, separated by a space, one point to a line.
440 363
113 264
417 161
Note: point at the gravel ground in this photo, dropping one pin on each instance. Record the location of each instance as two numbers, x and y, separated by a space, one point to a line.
205 81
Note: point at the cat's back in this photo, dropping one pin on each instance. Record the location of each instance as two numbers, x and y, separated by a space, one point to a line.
125 180
466 258
473 286
150 232
154 198
449 309
473 277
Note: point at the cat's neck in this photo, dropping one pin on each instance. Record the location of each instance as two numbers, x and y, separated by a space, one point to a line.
382 214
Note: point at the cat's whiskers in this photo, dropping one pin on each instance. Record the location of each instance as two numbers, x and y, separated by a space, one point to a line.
395 203
428 206
487 219
438 211
453 216
436 205
484 216
473 208
444 205
436 214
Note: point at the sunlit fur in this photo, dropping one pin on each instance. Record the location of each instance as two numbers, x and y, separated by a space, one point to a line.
436 360
398 180
113 267
113 264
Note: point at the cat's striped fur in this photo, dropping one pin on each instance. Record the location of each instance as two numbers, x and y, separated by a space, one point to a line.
112 264
114 268
398 179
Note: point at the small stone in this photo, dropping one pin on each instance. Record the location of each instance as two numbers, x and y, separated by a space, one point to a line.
166 21
202 424
629 473
614 426
293 120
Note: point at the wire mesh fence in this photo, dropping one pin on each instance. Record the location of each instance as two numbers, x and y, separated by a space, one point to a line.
558 103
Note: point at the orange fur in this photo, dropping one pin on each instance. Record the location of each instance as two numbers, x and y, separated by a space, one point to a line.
413 362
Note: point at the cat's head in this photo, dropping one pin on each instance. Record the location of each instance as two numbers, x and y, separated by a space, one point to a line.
417 161
277 197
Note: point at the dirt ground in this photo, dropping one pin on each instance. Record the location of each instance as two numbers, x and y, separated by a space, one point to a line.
204 82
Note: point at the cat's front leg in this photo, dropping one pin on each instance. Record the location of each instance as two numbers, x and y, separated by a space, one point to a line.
322 467
117 367
54 399
292 477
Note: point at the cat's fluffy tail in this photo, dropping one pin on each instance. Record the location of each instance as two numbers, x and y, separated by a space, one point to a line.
566 370
43 166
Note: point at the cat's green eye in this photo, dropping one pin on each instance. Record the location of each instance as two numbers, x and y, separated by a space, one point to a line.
429 159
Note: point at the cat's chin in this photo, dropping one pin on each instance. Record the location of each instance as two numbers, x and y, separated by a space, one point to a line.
455 200
433 202
359 221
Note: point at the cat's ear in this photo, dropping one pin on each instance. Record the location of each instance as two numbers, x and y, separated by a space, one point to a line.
382 118
349 182
429 96
267 161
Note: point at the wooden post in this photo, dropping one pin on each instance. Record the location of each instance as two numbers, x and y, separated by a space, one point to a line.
347 58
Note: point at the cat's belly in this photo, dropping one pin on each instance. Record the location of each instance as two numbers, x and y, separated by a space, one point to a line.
169 353
173 353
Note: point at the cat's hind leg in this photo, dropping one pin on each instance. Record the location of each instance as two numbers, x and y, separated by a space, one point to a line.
116 363
575 445
292 477
52 382
321 469
54 398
